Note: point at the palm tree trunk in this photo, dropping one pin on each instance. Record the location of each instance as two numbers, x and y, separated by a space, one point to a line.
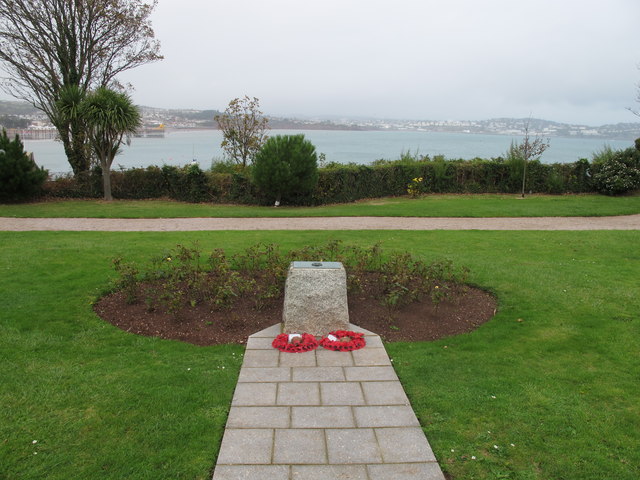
74 148
106 181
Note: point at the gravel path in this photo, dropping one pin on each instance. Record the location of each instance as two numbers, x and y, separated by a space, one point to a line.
627 222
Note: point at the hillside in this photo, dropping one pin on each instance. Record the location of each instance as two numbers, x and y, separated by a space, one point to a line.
194 118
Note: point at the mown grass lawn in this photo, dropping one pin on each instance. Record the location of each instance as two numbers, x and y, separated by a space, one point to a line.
546 390
427 206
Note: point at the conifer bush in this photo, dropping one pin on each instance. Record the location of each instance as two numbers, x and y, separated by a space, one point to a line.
286 169
20 177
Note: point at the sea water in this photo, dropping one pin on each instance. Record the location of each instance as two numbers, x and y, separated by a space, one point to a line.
181 147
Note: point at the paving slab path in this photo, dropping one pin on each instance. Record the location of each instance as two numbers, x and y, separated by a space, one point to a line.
624 222
322 414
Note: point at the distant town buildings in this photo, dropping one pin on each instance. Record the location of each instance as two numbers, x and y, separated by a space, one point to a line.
156 120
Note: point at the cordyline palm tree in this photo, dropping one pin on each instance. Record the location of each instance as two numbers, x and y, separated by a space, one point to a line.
68 110
111 118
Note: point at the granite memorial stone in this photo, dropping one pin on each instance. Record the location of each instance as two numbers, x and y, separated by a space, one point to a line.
315 298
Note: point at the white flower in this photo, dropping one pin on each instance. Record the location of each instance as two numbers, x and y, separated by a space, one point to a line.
473 457
452 450
493 396
496 447
512 445
34 442
188 369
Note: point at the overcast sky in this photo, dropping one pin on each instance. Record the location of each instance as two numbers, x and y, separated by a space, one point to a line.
563 60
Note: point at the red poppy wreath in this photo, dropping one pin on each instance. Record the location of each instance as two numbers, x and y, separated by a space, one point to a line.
343 341
295 342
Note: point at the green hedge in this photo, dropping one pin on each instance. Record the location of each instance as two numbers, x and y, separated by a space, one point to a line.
189 184
354 182
337 183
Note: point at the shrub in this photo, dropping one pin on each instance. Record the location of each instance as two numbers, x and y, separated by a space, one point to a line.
601 156
579 179
20 177
188 184
617 172
555 183
415 187
224 165
83 185
516 164
286 169
183 277
139 183
443 173
241 190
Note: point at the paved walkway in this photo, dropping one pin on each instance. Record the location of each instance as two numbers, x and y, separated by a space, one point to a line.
625 222
324 415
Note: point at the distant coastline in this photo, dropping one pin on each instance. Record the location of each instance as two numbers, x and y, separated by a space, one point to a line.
191 119
624 132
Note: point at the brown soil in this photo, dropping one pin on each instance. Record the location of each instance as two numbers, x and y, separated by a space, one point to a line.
465 309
